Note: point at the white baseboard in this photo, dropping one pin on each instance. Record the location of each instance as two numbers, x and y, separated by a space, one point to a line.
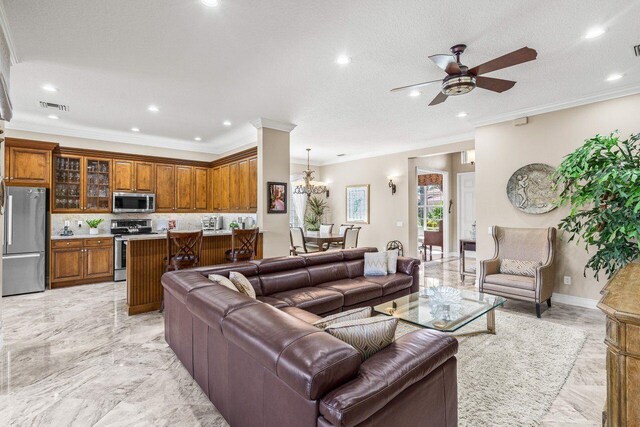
573 300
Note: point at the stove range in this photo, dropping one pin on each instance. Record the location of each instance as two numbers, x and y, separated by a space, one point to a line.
121 228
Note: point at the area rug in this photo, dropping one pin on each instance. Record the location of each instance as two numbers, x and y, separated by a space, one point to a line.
513 377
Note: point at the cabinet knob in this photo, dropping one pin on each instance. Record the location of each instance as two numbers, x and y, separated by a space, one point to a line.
99 241
68 243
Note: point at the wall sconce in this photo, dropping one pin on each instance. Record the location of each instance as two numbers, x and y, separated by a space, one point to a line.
392 186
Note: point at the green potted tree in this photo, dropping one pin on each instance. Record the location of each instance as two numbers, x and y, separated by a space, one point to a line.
600 182
315 212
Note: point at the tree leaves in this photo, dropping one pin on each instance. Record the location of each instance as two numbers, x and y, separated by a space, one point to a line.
599 181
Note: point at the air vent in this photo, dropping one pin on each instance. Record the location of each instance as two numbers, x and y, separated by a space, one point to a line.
636 49
52 106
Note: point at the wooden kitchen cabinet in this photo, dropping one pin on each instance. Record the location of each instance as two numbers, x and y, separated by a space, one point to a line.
81 261
224 188
216 193
184 189
145 177
201 189
133 176
28 166
243 185
234 187
96 196
165 188
253 184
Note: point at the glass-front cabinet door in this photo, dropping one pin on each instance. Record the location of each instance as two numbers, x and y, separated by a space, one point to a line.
97 184
67 184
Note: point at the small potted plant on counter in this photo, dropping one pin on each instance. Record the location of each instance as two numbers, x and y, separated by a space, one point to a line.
233 225
93 225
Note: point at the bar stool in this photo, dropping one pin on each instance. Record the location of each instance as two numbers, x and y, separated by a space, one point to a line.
244 245
183 249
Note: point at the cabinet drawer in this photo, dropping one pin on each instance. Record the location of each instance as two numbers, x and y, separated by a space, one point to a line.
98 242
71 243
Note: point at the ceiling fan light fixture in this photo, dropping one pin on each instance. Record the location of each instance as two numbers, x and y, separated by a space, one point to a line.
458 85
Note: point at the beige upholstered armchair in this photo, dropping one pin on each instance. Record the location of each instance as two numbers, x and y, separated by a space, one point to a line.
528 272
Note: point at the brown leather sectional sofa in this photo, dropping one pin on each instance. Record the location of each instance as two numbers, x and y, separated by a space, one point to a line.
262 363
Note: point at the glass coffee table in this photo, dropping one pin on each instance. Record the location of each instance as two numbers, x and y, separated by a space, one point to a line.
444 308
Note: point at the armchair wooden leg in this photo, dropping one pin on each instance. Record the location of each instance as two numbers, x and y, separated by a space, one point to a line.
549 302
538 310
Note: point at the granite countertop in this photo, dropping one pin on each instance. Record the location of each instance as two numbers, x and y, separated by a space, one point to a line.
82 236
207 233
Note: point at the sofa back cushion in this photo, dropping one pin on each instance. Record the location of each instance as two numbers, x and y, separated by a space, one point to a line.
247 269
212 304
284 281
327 273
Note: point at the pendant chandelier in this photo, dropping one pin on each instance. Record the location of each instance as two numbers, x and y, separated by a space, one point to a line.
308 186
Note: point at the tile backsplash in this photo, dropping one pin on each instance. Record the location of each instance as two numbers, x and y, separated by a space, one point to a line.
185 221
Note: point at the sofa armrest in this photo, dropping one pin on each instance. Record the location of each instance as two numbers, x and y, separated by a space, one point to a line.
386 374
545 277
410 267
487 267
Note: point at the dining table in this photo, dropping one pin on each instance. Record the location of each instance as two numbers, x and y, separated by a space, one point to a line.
323 240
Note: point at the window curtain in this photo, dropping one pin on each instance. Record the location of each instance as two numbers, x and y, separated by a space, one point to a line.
298 203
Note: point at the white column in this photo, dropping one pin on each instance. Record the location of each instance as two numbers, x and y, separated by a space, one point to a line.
273 166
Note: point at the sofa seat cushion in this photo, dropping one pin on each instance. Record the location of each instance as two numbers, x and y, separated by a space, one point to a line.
354 290
513 280
392 283
315 300
301 314
277 303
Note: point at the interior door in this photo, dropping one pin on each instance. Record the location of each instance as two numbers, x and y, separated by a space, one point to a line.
466 204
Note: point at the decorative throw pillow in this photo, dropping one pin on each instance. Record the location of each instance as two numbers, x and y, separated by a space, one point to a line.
392 261
355 314
223 281
518 267
375 264
368 336
243 284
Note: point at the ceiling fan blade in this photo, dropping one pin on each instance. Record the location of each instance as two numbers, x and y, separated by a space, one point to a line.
416 86
495 85
447 62
439 99
509 60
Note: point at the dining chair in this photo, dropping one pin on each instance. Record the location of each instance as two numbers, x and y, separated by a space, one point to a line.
298 243
183 249
395 244
342 230
351 238
326 228
244 245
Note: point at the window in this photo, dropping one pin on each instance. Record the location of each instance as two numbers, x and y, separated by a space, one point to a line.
430 207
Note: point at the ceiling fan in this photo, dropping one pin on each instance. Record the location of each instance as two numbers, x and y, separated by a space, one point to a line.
462 79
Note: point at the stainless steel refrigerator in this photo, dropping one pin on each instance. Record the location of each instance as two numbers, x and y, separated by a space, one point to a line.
23 254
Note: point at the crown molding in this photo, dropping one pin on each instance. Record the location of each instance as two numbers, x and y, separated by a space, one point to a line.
273 124
110 136
424 144
4 23
548 108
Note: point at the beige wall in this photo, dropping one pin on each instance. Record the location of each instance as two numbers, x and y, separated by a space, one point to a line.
503 148
94 144
386 210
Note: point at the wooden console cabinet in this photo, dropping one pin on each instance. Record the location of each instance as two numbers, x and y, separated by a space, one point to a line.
80 261
621 304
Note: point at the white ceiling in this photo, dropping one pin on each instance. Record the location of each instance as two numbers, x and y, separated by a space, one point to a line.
247 59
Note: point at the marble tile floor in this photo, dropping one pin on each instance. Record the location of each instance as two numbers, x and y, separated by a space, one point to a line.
74 357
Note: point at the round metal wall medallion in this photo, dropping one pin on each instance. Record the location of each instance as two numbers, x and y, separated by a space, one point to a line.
530 189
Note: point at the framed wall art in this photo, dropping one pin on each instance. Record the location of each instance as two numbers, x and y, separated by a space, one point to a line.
357 204
277 197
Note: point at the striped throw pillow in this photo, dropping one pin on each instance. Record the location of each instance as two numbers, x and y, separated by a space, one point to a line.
519 267
355 314
368 336
243 284
375 264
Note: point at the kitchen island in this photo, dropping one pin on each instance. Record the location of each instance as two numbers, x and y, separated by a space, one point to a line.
145 265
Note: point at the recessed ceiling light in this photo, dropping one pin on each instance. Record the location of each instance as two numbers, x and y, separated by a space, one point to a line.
343 60
226 123
49 88
197 138
614 77
153 108
135 130
53 117
461 114
414 93
594 32
210 3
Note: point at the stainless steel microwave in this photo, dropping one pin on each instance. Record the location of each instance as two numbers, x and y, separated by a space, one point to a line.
134 202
